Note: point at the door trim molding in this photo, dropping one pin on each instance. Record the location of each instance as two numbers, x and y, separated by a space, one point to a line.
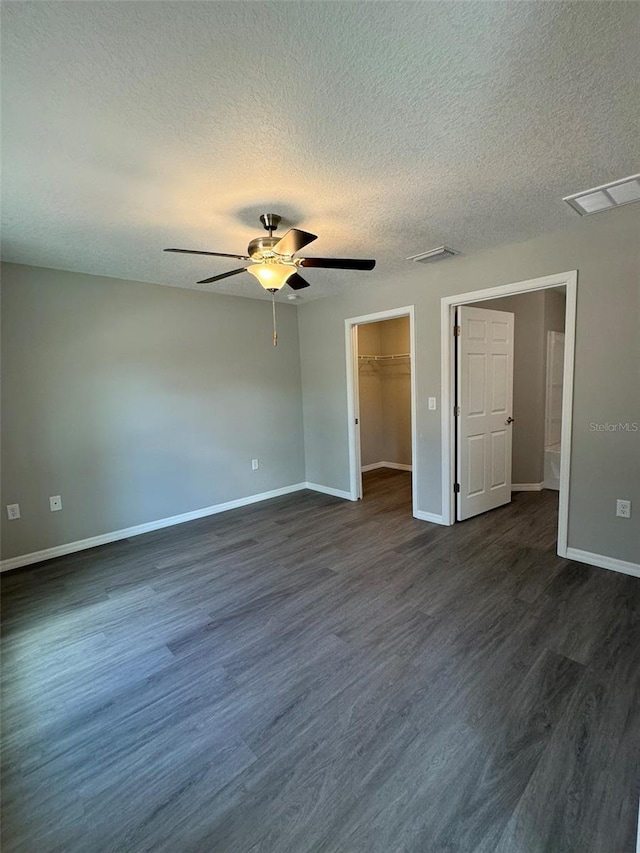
428 516
448 305
351 344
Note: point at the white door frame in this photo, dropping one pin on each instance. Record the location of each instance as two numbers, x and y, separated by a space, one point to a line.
353 402
447 320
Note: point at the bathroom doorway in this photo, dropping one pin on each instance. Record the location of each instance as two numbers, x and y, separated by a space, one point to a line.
496 472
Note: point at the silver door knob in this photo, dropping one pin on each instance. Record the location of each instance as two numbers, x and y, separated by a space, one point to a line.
509 420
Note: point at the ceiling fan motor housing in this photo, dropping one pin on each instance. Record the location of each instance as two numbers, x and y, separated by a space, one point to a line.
262 247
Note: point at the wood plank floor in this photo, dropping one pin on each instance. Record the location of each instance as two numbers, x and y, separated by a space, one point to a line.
310 674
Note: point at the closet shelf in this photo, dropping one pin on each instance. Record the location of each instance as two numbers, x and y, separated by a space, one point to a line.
384 357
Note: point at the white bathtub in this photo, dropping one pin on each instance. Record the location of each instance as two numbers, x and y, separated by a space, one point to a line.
552 467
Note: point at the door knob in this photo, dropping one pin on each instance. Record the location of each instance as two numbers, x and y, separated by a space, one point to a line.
509 420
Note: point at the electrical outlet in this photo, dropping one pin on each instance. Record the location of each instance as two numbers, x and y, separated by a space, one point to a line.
623 509
254 464
432 404
13 511
55 503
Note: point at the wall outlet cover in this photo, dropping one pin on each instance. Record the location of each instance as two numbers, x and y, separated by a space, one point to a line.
13 511
55 503
623 508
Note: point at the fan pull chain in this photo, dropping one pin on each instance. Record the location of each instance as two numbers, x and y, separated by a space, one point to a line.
275 331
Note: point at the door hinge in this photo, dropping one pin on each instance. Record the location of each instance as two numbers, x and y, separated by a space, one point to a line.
456 411
456 488
457 331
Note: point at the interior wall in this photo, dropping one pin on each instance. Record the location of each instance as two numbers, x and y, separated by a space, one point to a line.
535 314
370 396
396 393
529 359
605 464
555 304
136 402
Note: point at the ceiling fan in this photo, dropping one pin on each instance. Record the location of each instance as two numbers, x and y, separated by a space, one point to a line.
274 264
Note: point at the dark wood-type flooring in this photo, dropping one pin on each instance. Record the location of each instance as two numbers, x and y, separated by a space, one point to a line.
314 675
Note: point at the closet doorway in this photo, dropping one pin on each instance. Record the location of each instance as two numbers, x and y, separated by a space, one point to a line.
381 395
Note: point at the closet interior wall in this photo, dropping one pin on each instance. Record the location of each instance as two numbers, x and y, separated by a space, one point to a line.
385 393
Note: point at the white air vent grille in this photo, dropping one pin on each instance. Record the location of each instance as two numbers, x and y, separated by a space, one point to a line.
433 255
606 197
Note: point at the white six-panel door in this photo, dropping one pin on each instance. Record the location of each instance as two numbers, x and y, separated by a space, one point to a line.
485 401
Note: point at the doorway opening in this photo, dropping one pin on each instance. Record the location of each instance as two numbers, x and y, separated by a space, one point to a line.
507 380
381 396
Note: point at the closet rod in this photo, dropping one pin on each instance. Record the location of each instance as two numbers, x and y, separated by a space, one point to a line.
384 357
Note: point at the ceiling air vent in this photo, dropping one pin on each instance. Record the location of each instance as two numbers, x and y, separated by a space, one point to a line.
434 255
606 197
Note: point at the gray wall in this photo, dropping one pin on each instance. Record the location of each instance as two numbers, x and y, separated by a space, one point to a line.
529 353
605 465
535 314
555 304
396 393
136 402
370 395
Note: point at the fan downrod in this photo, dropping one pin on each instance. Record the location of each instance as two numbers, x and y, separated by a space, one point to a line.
270 221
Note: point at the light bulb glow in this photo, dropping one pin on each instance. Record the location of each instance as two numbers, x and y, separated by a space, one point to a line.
272 276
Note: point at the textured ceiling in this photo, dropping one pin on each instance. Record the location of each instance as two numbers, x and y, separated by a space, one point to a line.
386 128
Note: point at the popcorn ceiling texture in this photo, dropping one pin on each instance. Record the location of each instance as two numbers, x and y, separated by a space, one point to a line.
386 128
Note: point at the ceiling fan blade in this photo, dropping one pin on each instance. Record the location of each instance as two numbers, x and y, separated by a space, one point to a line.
224 275
215 254
296 282
293 241
338 263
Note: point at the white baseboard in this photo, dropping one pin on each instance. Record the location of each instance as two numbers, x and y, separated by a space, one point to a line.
599 560
604 562
428 516
327 490
398 466
105 538
527 487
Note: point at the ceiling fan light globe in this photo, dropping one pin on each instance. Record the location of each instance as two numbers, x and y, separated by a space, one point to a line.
272 276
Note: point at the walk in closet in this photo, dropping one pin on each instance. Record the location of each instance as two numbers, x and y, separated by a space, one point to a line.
384 378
